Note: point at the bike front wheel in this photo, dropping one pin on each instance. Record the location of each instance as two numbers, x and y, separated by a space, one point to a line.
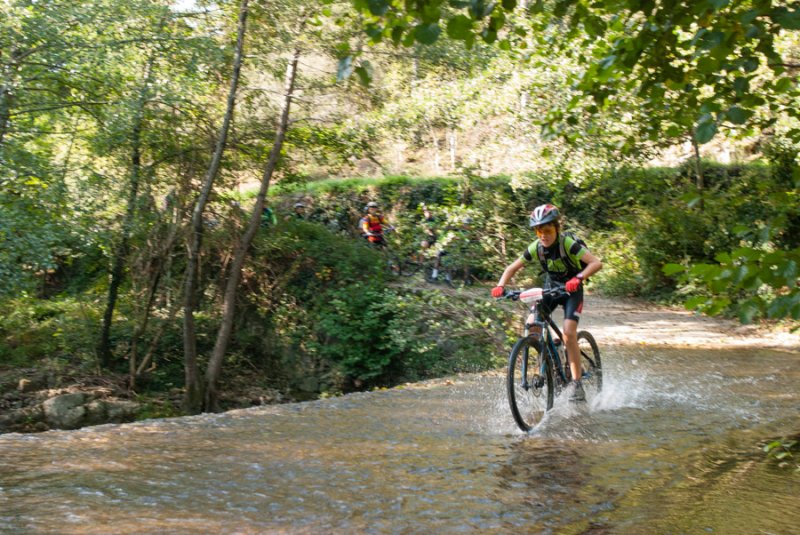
591 365
529 383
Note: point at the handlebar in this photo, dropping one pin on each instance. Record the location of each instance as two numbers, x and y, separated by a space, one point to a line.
552 292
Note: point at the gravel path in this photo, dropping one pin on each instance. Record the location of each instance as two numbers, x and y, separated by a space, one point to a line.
632 322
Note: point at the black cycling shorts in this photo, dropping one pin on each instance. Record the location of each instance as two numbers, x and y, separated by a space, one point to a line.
572 303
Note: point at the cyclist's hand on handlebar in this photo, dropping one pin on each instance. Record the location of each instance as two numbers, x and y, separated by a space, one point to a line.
498 291
572 285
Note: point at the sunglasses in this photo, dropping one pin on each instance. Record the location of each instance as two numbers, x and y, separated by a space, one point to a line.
545 229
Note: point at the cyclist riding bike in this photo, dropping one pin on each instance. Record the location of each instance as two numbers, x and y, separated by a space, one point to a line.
430 235
565 261
373 224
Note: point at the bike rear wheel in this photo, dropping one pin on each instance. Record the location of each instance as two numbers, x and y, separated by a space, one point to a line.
529 384
591 365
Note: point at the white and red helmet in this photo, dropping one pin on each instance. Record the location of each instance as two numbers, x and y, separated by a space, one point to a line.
543 214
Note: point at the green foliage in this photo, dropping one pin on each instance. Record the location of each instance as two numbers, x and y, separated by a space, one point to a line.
783 451
84 108
750 282
334 315
438 334
686 69
753 273
151 409
350 333
32 330
315 147
622 272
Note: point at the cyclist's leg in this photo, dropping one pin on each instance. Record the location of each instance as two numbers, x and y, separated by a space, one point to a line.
437 264
572 313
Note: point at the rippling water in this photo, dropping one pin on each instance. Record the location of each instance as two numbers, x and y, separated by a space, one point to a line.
671 446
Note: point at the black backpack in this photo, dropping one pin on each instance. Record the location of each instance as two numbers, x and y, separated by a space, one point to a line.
562 251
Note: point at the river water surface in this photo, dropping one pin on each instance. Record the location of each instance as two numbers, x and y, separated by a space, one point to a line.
670 446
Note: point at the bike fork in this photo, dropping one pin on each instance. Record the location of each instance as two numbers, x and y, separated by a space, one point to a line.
538 379
525 384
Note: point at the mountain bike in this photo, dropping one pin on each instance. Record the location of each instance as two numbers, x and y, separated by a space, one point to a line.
538 368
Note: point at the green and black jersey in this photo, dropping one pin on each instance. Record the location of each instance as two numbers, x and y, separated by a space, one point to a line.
559 269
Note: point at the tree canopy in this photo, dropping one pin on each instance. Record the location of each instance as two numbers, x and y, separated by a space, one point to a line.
710 63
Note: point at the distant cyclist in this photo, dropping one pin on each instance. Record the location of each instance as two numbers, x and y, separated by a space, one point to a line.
565 261
268 217
299 211
429 234
428 240
373 224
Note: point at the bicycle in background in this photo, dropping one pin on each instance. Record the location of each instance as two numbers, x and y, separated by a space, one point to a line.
538 368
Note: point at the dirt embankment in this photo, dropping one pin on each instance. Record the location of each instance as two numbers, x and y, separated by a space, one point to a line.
634 322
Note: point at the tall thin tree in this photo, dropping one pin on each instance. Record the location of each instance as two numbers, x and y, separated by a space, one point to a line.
232 284
194 395
121 253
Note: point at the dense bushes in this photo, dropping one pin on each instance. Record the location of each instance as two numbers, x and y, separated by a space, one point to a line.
327 307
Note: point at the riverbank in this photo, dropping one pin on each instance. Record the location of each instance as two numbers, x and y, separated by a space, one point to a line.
35 400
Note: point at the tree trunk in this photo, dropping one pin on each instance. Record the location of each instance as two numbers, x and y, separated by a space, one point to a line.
155 279
118 269
6 95
698 166
452 145
435 145
160 266
193 397
5 112
229 298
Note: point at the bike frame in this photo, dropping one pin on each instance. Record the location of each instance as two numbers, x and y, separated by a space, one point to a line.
552 362
546 335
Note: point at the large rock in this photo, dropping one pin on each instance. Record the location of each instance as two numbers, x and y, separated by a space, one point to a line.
119 411
66 411
103 411
21 419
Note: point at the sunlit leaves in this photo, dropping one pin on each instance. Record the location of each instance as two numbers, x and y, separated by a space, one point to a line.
783 451
459 27
786 17
378 7
427 34
364 72
749 281
706 129
738 115
692 48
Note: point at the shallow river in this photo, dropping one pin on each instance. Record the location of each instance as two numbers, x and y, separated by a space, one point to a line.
670 446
